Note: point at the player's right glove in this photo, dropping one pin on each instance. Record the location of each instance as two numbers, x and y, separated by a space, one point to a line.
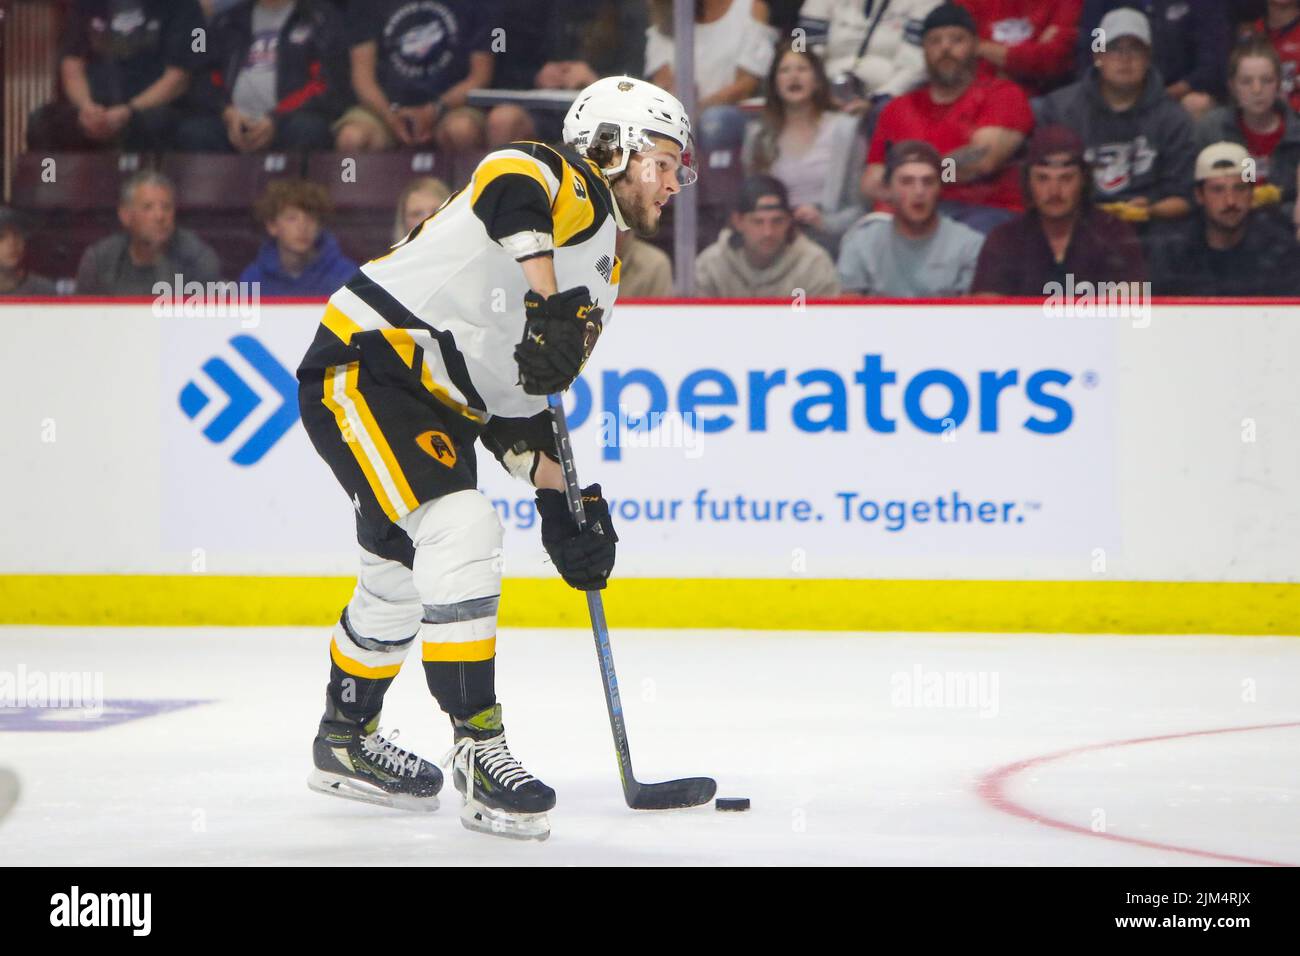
559 333
584 558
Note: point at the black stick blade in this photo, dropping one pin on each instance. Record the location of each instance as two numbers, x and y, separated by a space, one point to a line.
672 794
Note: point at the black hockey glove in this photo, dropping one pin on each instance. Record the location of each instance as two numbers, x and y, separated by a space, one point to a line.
583 558
559 333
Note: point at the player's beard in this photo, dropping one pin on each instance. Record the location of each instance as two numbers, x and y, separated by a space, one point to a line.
638 209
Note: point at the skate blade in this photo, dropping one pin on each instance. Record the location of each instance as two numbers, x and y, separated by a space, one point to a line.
513 826
337 785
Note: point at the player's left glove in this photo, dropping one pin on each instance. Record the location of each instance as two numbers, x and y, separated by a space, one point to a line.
584 558
559 333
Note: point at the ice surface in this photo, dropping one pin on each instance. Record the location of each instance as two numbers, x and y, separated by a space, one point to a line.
832 736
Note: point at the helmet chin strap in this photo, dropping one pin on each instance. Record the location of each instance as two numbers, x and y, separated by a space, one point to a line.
618 213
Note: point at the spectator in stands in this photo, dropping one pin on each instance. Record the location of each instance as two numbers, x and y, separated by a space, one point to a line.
872 51
1226 249
277 79
1027 41
813 148
299 258
646 271
150 249
14 277
1062 234
1139 140
976 124
1281 25
733 51
563 45
1190 39
763 254
918 251
124 68
419 200
1260 120
413 65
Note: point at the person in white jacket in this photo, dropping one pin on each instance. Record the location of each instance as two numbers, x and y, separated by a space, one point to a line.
872 48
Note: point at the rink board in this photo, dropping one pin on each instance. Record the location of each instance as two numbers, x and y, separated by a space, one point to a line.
944 467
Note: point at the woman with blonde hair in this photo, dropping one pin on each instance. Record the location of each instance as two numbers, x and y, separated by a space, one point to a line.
419 200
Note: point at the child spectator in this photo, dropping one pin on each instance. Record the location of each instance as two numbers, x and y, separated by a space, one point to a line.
976 124
150 249
1139 141
1226 249
300 258
124 68
1259 119
763 255
872 51
1281 25
814 149
1191 39
1061 234
419 200
1027 41
413 65
14 277
277 79
918 252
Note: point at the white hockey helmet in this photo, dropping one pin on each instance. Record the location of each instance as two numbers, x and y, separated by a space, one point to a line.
620 112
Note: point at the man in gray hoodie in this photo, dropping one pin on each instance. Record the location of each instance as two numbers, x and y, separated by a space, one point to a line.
763 255
1139 141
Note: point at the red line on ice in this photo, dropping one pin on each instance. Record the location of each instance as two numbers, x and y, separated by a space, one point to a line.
991 790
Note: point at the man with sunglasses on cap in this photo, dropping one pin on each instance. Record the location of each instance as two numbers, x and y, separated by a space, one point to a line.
1062 234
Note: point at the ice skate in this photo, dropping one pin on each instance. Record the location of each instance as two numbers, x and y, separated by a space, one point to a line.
501 797
356 761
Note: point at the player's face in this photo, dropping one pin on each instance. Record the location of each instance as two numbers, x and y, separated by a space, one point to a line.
795 80
1255 85
1125 63
1056 191
295 230
12 247
1226 200
150 216
650 182
949 54
914 192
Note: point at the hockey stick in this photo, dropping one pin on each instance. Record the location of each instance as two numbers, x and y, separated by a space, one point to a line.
687 792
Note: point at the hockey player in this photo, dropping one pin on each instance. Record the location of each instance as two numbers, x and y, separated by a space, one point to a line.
458 334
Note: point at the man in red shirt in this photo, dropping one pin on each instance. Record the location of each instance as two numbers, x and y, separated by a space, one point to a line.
1027 41
1281 24
976 124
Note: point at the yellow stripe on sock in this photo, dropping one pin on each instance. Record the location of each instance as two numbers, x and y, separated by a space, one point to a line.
356 668
463 651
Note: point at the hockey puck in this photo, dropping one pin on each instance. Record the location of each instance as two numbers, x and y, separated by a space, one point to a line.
731 803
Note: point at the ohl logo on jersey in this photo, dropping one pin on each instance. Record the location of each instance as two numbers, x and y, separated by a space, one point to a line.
437 446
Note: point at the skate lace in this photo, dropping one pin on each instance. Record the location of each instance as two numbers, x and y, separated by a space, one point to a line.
495 758
390 756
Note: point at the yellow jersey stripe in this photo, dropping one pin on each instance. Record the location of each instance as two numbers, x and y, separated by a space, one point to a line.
463 651
508 166
357 669
618 271
573 213
339 324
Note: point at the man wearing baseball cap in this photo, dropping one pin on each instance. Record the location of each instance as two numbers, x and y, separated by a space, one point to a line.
1226 249
1138 140
1062 234
976 124
763 254
918 251
14 277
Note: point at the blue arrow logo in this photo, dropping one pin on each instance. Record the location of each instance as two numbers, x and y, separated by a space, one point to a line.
243 400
